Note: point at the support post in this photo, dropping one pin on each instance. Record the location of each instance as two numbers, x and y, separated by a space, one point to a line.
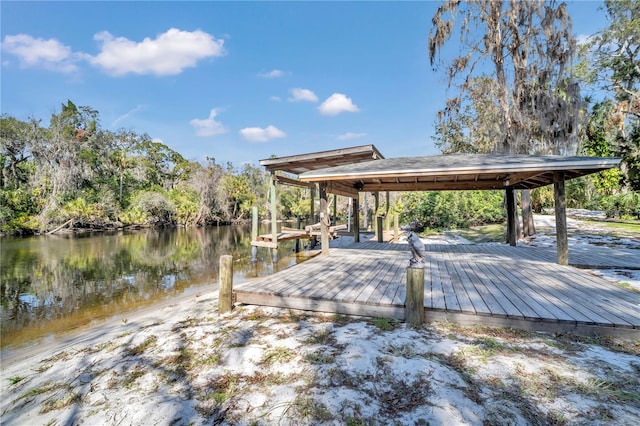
376 206
512 217
274 210
356 219
414 308
324 221
312 207
225 291
387 223
335 209
396 228
254 233
379 230
560 207
274 218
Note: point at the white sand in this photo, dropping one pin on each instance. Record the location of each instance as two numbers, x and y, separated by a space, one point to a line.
180 363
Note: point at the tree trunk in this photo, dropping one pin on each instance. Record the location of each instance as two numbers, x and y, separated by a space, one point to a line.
528 227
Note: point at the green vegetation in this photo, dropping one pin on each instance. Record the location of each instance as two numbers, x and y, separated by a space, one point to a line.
452 209
74 173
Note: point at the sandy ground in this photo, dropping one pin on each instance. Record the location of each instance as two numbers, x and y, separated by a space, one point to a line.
181 363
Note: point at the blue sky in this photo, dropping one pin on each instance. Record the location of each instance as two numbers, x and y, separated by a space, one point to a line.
236 81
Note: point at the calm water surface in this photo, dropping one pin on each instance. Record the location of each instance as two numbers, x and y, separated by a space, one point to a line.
52 284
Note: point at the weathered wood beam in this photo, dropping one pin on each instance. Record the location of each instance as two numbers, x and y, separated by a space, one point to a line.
324 220
341 189
293 182
356 218
274 209
512 217
516 178
432 186
560 207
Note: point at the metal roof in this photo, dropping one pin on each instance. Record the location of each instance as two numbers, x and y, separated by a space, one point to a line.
455 172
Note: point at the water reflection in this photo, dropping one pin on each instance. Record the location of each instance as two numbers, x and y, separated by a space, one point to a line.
50 284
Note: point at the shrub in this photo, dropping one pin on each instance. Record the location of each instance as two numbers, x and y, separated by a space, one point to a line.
622 205
149 207
453 209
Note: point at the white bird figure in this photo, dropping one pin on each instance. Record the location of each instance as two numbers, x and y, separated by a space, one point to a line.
416 247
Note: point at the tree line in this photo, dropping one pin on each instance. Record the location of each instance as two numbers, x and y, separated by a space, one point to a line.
73 171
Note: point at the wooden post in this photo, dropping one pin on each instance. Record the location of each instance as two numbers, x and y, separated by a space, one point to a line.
225 292
396 228
379 230
335 209
414 307
312 207
376 206
274 210
387 222
356 219
512 218
324 221
254 233
254 223
274 218
561 218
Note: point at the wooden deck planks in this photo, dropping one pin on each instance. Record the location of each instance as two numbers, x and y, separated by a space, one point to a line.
473 281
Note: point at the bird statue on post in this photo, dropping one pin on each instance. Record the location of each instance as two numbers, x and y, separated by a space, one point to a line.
416 247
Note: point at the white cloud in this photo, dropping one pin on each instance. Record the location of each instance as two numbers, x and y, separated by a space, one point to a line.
299 95
336 104
168 54
350 135
127 115
208 126
37 52
258 134
275 98
272 74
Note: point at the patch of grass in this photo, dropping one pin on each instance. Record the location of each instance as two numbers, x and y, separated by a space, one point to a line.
47 387
572 342
320 357
385 324
185 323
60 356
213 358
404 395
308 409
609 391
132 376
628 286
142 347
627 225
15 379
322 337
483 234
277 354
403 351
69 399
488 346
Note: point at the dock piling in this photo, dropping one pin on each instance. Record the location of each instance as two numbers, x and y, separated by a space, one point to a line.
225 291
415 297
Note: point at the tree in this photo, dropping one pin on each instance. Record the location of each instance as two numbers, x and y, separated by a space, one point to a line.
526 48
615 67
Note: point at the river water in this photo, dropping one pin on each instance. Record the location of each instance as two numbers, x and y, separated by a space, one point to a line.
57 283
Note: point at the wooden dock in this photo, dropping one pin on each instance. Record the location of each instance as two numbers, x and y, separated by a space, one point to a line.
287 234
492 285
